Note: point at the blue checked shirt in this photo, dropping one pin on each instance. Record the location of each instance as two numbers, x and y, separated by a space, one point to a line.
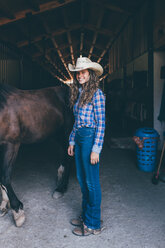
90 115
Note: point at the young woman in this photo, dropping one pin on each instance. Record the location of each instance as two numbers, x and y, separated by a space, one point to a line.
86 141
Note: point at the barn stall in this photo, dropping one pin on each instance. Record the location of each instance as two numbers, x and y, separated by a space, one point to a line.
38 39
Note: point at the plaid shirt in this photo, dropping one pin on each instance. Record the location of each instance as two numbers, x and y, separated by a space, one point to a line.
90 115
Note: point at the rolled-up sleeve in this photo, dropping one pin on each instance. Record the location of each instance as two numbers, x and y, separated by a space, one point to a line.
99 112
72 135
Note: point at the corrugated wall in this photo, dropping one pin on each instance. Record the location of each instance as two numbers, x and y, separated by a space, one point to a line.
18 70
9 65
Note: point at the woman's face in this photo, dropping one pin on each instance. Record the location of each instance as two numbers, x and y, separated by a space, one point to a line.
82 76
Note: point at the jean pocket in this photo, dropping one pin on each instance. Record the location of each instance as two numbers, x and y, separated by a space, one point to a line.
86 132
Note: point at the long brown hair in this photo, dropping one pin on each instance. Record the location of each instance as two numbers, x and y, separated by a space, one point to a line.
89 88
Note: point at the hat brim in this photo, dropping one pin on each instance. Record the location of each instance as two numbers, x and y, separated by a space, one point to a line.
92 66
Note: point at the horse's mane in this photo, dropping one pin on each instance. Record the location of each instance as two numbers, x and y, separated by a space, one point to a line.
5 91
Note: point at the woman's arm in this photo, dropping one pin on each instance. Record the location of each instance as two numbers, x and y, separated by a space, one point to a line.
99 111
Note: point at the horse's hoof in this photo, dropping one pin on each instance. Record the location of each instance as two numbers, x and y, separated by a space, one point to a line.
3 212
19 217
57 195
3 205
3 208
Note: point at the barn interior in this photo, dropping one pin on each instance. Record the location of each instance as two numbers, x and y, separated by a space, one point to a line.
38 39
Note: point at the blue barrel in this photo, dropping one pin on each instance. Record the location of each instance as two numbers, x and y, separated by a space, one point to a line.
146 157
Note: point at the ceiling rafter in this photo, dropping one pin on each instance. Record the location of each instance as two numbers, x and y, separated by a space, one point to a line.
77 52
45 66
34 4
104 51
53 33
50 71
61 56
68 36
94 28
104 76
98 46
62 47
113 7
6 11
43 52
96 32
54 43
57 48
82 28
51 61
43 8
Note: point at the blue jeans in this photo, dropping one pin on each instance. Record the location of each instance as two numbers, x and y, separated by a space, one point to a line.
88 177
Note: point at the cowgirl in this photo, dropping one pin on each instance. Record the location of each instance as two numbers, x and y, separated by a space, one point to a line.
86 140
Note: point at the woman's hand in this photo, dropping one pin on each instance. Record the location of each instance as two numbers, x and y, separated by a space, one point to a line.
71 150
94 158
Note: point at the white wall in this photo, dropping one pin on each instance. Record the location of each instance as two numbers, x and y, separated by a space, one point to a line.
159 60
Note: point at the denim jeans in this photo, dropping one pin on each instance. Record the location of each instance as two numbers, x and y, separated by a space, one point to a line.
88 177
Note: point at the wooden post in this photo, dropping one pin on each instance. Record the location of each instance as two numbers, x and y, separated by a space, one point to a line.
150 106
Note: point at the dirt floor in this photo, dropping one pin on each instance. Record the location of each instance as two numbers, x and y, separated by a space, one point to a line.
133 209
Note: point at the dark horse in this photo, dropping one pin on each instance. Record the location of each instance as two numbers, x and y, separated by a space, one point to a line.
28 116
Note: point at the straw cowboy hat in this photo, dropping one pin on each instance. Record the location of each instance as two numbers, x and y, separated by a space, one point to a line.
83 63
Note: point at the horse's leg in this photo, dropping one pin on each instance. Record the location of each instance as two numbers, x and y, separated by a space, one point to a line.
10 154
63 170
5 201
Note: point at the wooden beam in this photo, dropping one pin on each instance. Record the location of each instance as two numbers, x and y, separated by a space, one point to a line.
55 66
96 33
43 8
50 71
46 67
61 56
51 61
81 42
57 48
68 35
104 31
104 51
104 76
62 47
113 7
100 47
77 52
33 4
6 11
82 29
50 35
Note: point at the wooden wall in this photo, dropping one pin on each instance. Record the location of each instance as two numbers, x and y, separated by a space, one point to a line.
131 43
159 24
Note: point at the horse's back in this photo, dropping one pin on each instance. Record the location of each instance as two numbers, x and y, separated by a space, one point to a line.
33 114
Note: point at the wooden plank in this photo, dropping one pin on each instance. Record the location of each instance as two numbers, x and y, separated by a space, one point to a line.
56 47
100 18
49 35
33 4
104 31
43 8
113 7
8 14
47 57
82 29
104 51
68 35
